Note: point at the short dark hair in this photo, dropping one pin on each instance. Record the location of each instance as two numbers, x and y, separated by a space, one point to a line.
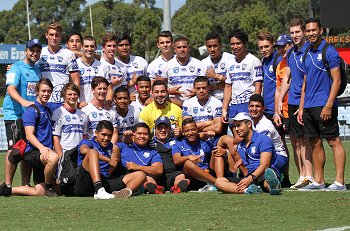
213 35
121 89
142 78
70 86
166 34
257 98
188 121
159 82
239 34
89 38
314 20
297 22
122 37
73 33
141 125
43 81
97 80
104 124
182 38
200 79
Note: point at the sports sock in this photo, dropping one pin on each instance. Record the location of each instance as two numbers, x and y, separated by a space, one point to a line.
310 178
97 186
48 186
338 184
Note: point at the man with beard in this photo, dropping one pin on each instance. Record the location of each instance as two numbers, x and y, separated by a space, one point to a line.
161 107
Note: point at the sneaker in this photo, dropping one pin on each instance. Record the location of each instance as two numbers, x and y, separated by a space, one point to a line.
335 187
51 193
208 188
301 184
180 187
253 189
313 187
103 195
153 188
124 193
272 180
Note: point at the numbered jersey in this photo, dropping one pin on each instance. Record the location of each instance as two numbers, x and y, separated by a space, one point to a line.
200 113
56 67
95 115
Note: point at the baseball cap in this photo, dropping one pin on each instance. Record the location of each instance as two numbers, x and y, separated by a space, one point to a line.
34 42
241 116
283 40
162 119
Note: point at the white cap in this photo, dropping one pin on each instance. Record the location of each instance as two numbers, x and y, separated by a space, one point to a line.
241 116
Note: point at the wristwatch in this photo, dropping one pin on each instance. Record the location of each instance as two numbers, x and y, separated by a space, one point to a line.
253 177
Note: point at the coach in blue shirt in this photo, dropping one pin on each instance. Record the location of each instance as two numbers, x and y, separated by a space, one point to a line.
318 109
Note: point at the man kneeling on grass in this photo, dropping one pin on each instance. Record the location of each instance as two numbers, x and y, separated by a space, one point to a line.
98 157
256 153
136 155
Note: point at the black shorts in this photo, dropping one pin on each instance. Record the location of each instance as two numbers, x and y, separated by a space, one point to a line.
282 130
9 133
33 158
84 187
168 178
315 127
295 129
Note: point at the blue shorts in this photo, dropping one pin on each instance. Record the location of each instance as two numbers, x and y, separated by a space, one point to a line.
237 108
280 164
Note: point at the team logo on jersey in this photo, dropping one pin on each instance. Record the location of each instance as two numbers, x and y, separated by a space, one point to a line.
301 59
172 143
67 118
146 154
52 58
82 71
201 152
319 57
195 110
94 114
134 64
222 66
60 58
244 66
176 70
192 68
131 120
232 67
95 70
209 109
108 115
172 118
253 150
44 57
271 69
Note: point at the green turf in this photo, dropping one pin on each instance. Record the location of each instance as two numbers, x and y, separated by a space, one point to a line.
191 211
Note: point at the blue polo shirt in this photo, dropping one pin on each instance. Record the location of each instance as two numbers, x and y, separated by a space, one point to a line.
143 156
200 148
295 63
43 130
93 144
269 86
24 77
251 155
318 81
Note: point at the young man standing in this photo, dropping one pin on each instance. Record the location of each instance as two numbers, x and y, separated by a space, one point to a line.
39 147
318 108
244 77
215 65
58 64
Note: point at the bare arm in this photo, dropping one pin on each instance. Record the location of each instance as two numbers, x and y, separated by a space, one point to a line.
75 76
258 87
57 145
155 169
226 101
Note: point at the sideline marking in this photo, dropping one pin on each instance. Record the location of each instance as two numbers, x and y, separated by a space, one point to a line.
336 228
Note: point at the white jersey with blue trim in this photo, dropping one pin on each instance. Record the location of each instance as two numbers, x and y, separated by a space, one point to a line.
127 122
95 115
70 127
265 126
220 68
115 70
155 67
201 113
242 77
138 107
136 65
56 67
87 73
182 75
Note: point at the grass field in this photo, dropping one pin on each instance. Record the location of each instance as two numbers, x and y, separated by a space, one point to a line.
191 211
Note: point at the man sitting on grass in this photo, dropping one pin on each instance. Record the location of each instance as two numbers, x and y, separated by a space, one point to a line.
97 158
136 155
257 154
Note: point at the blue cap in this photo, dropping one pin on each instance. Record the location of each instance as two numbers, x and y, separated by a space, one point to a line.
34 42
283 40
162 119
